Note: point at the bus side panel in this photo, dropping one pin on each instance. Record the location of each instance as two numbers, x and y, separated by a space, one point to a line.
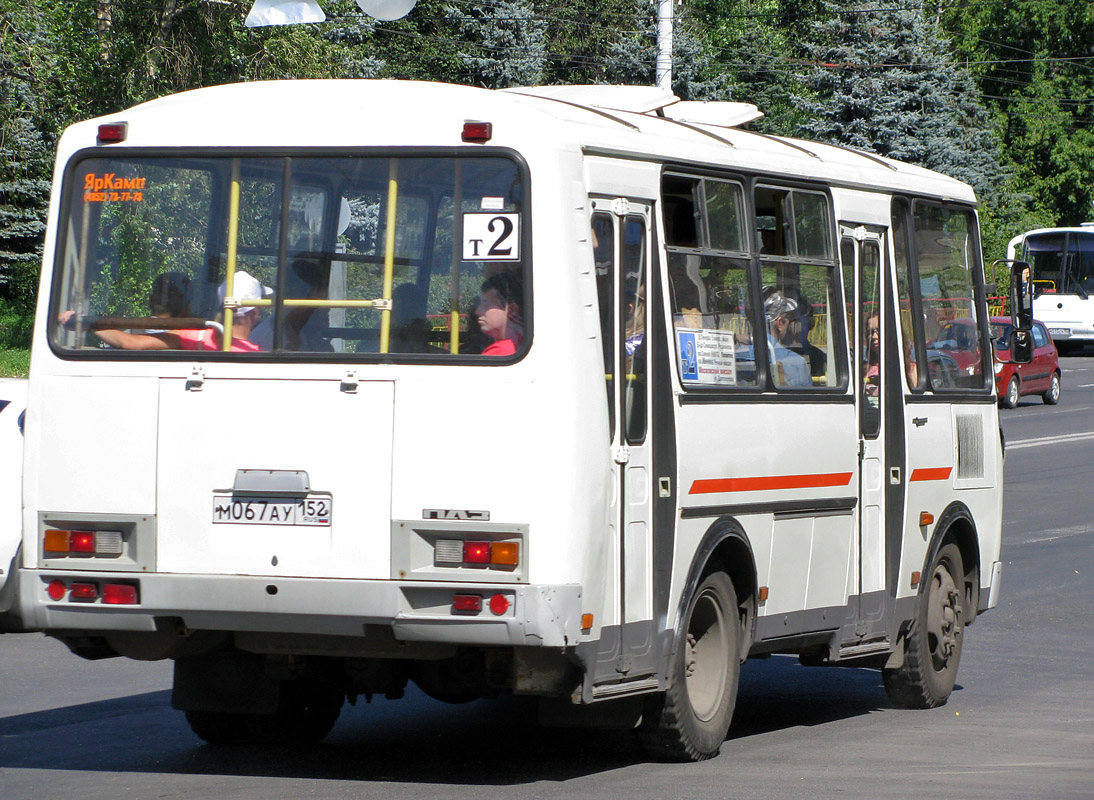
953 455
807 558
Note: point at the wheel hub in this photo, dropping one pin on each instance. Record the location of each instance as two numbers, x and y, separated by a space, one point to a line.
943 613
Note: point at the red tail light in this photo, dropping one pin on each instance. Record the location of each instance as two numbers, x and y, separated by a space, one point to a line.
120 594
84 591
476 552
81 542
113 132
467 602
478 132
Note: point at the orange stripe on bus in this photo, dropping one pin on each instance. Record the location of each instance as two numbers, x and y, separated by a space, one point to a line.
716 485
931 474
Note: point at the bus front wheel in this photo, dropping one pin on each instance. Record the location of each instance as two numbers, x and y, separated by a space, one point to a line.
690 720
932 647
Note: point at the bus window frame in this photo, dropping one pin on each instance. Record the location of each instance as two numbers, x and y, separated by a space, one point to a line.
923 386
214 239
754 258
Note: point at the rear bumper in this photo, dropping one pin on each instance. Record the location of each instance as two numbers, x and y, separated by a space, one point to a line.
536 615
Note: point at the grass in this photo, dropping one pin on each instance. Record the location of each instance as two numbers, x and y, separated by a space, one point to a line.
14 363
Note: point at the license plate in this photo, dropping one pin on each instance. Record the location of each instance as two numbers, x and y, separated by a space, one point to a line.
312 511
1059 331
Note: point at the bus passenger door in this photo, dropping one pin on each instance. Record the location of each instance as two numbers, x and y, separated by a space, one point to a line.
861 253
621 237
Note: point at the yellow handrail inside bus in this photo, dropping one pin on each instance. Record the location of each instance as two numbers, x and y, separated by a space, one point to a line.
389 253
457 256
233 241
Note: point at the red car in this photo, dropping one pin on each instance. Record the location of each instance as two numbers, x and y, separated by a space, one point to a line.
1040 376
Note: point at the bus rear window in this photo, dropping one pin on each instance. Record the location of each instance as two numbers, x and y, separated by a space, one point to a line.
326 257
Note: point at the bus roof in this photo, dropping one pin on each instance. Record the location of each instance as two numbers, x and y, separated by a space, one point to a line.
625 121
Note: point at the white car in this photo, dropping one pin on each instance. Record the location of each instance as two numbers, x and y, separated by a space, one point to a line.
13 404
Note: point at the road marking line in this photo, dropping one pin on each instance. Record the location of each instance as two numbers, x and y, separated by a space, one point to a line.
1067 437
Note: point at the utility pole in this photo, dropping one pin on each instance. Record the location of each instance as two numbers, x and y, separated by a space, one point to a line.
664 44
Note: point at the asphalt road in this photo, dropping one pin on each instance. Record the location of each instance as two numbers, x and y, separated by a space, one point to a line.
1019 725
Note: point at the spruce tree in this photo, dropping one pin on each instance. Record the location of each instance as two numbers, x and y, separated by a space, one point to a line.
505 43
633 58
26 160
884 82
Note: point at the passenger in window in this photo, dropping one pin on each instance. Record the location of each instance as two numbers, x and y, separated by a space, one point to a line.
170 297
244 319
246 288
788 368
872 350
635 324
798 336
498 311
304 329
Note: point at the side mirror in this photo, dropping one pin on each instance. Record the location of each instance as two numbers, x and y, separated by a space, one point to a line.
1021 296
1021 347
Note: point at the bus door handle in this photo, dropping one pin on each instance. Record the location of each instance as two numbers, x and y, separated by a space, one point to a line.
894 476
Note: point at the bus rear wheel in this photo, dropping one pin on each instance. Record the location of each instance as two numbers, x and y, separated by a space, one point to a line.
932 647
690 720
305 714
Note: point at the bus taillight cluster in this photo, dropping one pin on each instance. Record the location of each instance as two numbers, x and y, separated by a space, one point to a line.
476 553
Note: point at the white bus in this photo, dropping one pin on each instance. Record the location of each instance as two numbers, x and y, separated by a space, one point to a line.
1063 278
576 392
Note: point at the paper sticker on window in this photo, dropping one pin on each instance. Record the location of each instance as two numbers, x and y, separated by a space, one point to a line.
707 356
110 187
491 237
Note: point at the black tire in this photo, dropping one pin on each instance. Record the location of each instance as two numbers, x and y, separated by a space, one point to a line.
1052 396
932 646
221 729
306 713
690 720
1009 398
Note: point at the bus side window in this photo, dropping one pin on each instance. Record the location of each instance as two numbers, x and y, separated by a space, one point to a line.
603 236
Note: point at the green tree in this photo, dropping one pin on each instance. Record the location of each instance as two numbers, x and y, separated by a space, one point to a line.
505 42
756 45
884 82
1033 62
25 162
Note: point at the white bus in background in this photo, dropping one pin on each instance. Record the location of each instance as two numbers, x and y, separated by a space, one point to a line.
1063 278
577 392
